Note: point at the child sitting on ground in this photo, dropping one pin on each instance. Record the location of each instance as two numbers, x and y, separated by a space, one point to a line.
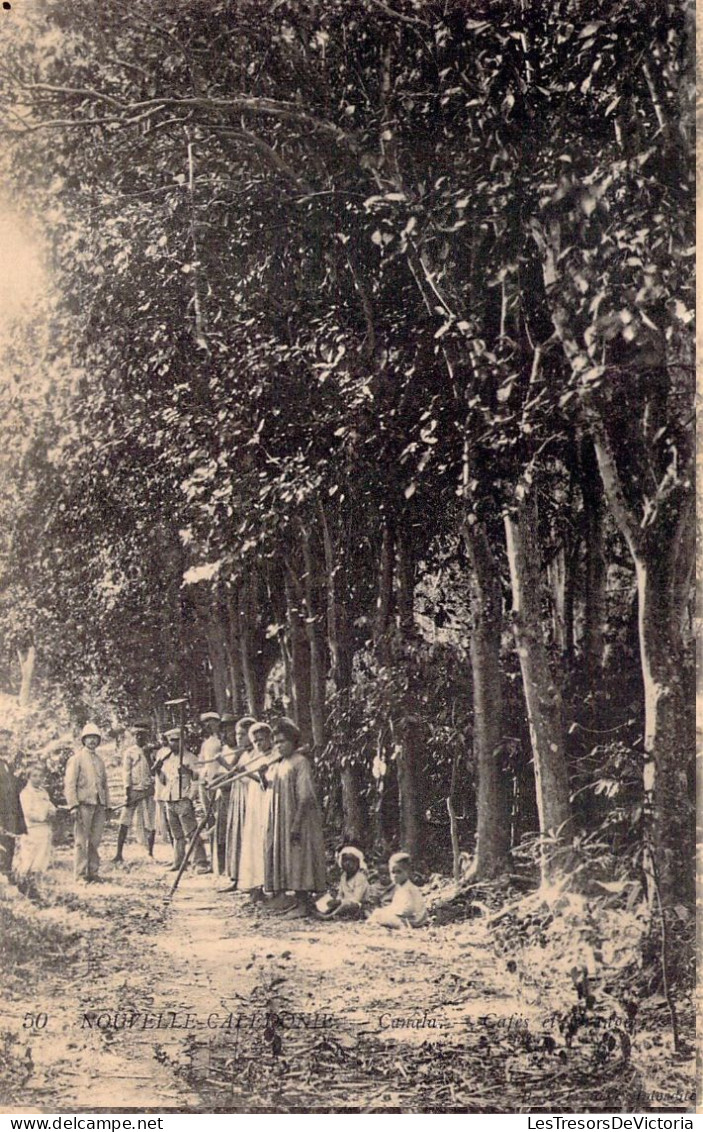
354 888
407 906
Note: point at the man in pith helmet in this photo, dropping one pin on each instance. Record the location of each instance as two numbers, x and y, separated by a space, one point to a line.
87 796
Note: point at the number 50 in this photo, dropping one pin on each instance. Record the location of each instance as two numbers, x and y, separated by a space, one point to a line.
35 1021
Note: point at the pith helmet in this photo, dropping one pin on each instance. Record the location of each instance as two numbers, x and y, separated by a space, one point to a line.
90 729
207 716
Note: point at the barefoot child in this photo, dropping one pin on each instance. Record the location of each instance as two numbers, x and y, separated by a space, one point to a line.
407 906
354 887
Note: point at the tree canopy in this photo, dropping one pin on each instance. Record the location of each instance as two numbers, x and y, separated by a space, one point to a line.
368 392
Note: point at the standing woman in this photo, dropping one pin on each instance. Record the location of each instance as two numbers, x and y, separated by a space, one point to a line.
35 847
251 873
295 849
237 798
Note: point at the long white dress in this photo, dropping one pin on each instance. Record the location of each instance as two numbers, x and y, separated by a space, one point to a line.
236 814
256 806
34 854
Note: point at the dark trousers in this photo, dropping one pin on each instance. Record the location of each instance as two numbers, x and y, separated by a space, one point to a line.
182 823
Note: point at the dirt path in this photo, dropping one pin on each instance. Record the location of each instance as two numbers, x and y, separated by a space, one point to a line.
205 1003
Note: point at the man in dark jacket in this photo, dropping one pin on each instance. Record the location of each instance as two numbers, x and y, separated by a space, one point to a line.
11 817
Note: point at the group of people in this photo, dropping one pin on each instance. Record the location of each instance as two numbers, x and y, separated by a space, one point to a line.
255 787
26 817
250 788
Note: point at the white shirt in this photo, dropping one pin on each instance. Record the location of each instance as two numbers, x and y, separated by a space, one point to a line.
136 772
209 750
36 805
408 902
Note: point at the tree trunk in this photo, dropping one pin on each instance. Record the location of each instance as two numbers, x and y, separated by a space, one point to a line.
355 820
250 674
649 489
234 654
557 578
217 655
318 674
338 636
300 655
384 598
406 583
493 800
596 567
661 551
27 660
354 815
411 788
542 694
669 737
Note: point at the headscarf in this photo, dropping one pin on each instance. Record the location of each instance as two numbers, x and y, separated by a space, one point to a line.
256 729
288 728
352 851
397 858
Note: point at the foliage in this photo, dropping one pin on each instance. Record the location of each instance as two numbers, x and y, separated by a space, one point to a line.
331 281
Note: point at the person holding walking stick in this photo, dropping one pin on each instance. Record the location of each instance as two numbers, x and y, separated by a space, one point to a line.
178 774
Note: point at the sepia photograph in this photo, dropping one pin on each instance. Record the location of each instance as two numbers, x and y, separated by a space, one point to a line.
347 558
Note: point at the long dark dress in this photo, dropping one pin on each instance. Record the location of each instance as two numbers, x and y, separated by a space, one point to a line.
294 865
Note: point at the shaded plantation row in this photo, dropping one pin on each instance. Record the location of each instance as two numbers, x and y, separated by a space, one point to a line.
379 400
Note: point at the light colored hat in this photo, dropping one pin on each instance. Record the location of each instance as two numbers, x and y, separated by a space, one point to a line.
173 733
206 716
397 858
90 729
257 728
352 851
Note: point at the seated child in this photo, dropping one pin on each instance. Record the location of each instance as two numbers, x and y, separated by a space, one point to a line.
407 906
353 886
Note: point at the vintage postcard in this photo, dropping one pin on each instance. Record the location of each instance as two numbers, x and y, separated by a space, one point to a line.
347 557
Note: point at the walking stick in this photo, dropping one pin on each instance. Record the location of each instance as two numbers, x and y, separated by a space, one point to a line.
110 810
261 762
